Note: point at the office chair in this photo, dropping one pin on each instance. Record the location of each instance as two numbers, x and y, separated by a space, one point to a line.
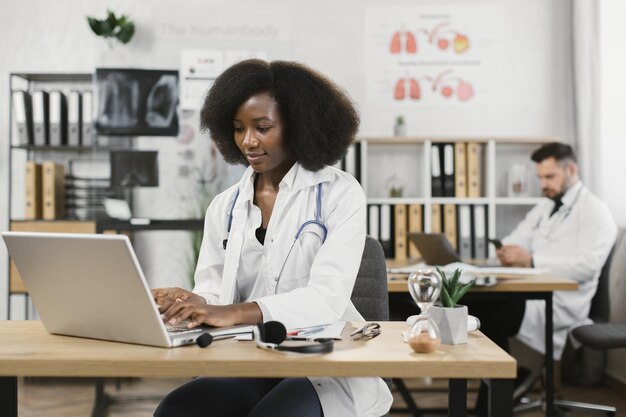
604 336
370 296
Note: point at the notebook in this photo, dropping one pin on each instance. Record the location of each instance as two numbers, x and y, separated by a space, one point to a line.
91 285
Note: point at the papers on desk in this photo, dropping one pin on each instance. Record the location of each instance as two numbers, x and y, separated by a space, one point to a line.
324 331
492 270
470 272
409 268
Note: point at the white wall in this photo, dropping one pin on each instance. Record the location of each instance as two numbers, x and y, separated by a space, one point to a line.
612 144
328 35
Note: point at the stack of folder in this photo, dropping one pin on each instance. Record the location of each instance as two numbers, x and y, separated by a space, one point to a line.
52 118
464 225
351 162
456 169
45 190
390 225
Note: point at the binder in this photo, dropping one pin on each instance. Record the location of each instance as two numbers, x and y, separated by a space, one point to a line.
474 169
465 232
53 184
58 118
449 223
34 203
436 183
373 221
74 118
480 232
400 230
386 227
41 118
415 226
448 170
88 135
352 161
460 169
435 218
23 116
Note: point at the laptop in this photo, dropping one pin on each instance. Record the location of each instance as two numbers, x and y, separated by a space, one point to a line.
91 285
435 248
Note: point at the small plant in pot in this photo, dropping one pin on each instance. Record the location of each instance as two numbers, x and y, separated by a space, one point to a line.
451 318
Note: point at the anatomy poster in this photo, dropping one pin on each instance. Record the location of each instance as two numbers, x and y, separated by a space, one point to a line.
433 54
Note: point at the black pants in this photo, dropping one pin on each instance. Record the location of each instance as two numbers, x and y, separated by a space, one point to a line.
242 397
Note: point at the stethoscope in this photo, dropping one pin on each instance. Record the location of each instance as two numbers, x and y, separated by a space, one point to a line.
317 221
563 215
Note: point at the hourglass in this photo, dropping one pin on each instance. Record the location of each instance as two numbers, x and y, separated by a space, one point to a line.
424 286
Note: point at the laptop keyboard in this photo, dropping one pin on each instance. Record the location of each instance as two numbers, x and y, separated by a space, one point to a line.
180 328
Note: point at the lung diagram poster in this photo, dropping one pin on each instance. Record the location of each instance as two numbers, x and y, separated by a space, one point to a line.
433 54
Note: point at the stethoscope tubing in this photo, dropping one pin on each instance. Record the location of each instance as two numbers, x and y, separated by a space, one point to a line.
317 222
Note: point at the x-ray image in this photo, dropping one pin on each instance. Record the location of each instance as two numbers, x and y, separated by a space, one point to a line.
134 169
133 102
162 102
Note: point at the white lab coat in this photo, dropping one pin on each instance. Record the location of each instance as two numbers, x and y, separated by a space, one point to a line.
317 280
574 243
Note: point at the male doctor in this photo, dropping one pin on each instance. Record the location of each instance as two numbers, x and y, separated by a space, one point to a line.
570 234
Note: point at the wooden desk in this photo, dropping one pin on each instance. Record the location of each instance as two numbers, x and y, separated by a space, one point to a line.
524 287
27 350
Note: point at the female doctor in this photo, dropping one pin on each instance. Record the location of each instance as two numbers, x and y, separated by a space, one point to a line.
284 244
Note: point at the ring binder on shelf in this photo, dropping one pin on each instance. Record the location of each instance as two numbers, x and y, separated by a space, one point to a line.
41 118
23 116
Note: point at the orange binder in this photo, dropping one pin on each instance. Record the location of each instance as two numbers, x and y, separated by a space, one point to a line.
449 223
400 229
415 226
34 203
474 169
435 218
460 169
53 184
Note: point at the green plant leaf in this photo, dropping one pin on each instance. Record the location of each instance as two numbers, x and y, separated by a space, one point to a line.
451 288
465 288
94 24
111 19
121 28
446 301
455 278
126 32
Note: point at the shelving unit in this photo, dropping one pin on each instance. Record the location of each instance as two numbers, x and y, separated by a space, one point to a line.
94 154
406 162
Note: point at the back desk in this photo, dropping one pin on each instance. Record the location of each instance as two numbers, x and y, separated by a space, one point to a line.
517 287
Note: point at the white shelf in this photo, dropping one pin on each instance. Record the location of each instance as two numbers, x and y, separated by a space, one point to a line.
397 200
518 201
406 161
454 200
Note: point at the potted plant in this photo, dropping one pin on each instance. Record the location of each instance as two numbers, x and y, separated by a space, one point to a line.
450 317
113 27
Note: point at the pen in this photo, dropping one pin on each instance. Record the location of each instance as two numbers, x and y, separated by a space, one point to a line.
312 331
305 331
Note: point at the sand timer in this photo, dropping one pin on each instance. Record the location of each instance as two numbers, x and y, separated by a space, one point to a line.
424 286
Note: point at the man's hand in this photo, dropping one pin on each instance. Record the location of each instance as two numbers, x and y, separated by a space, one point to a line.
513 255
167 297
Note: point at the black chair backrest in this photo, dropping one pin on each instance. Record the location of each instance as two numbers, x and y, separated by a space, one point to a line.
370 295
601 303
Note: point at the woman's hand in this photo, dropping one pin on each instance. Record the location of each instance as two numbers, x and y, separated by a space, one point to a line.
213 315
166 297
